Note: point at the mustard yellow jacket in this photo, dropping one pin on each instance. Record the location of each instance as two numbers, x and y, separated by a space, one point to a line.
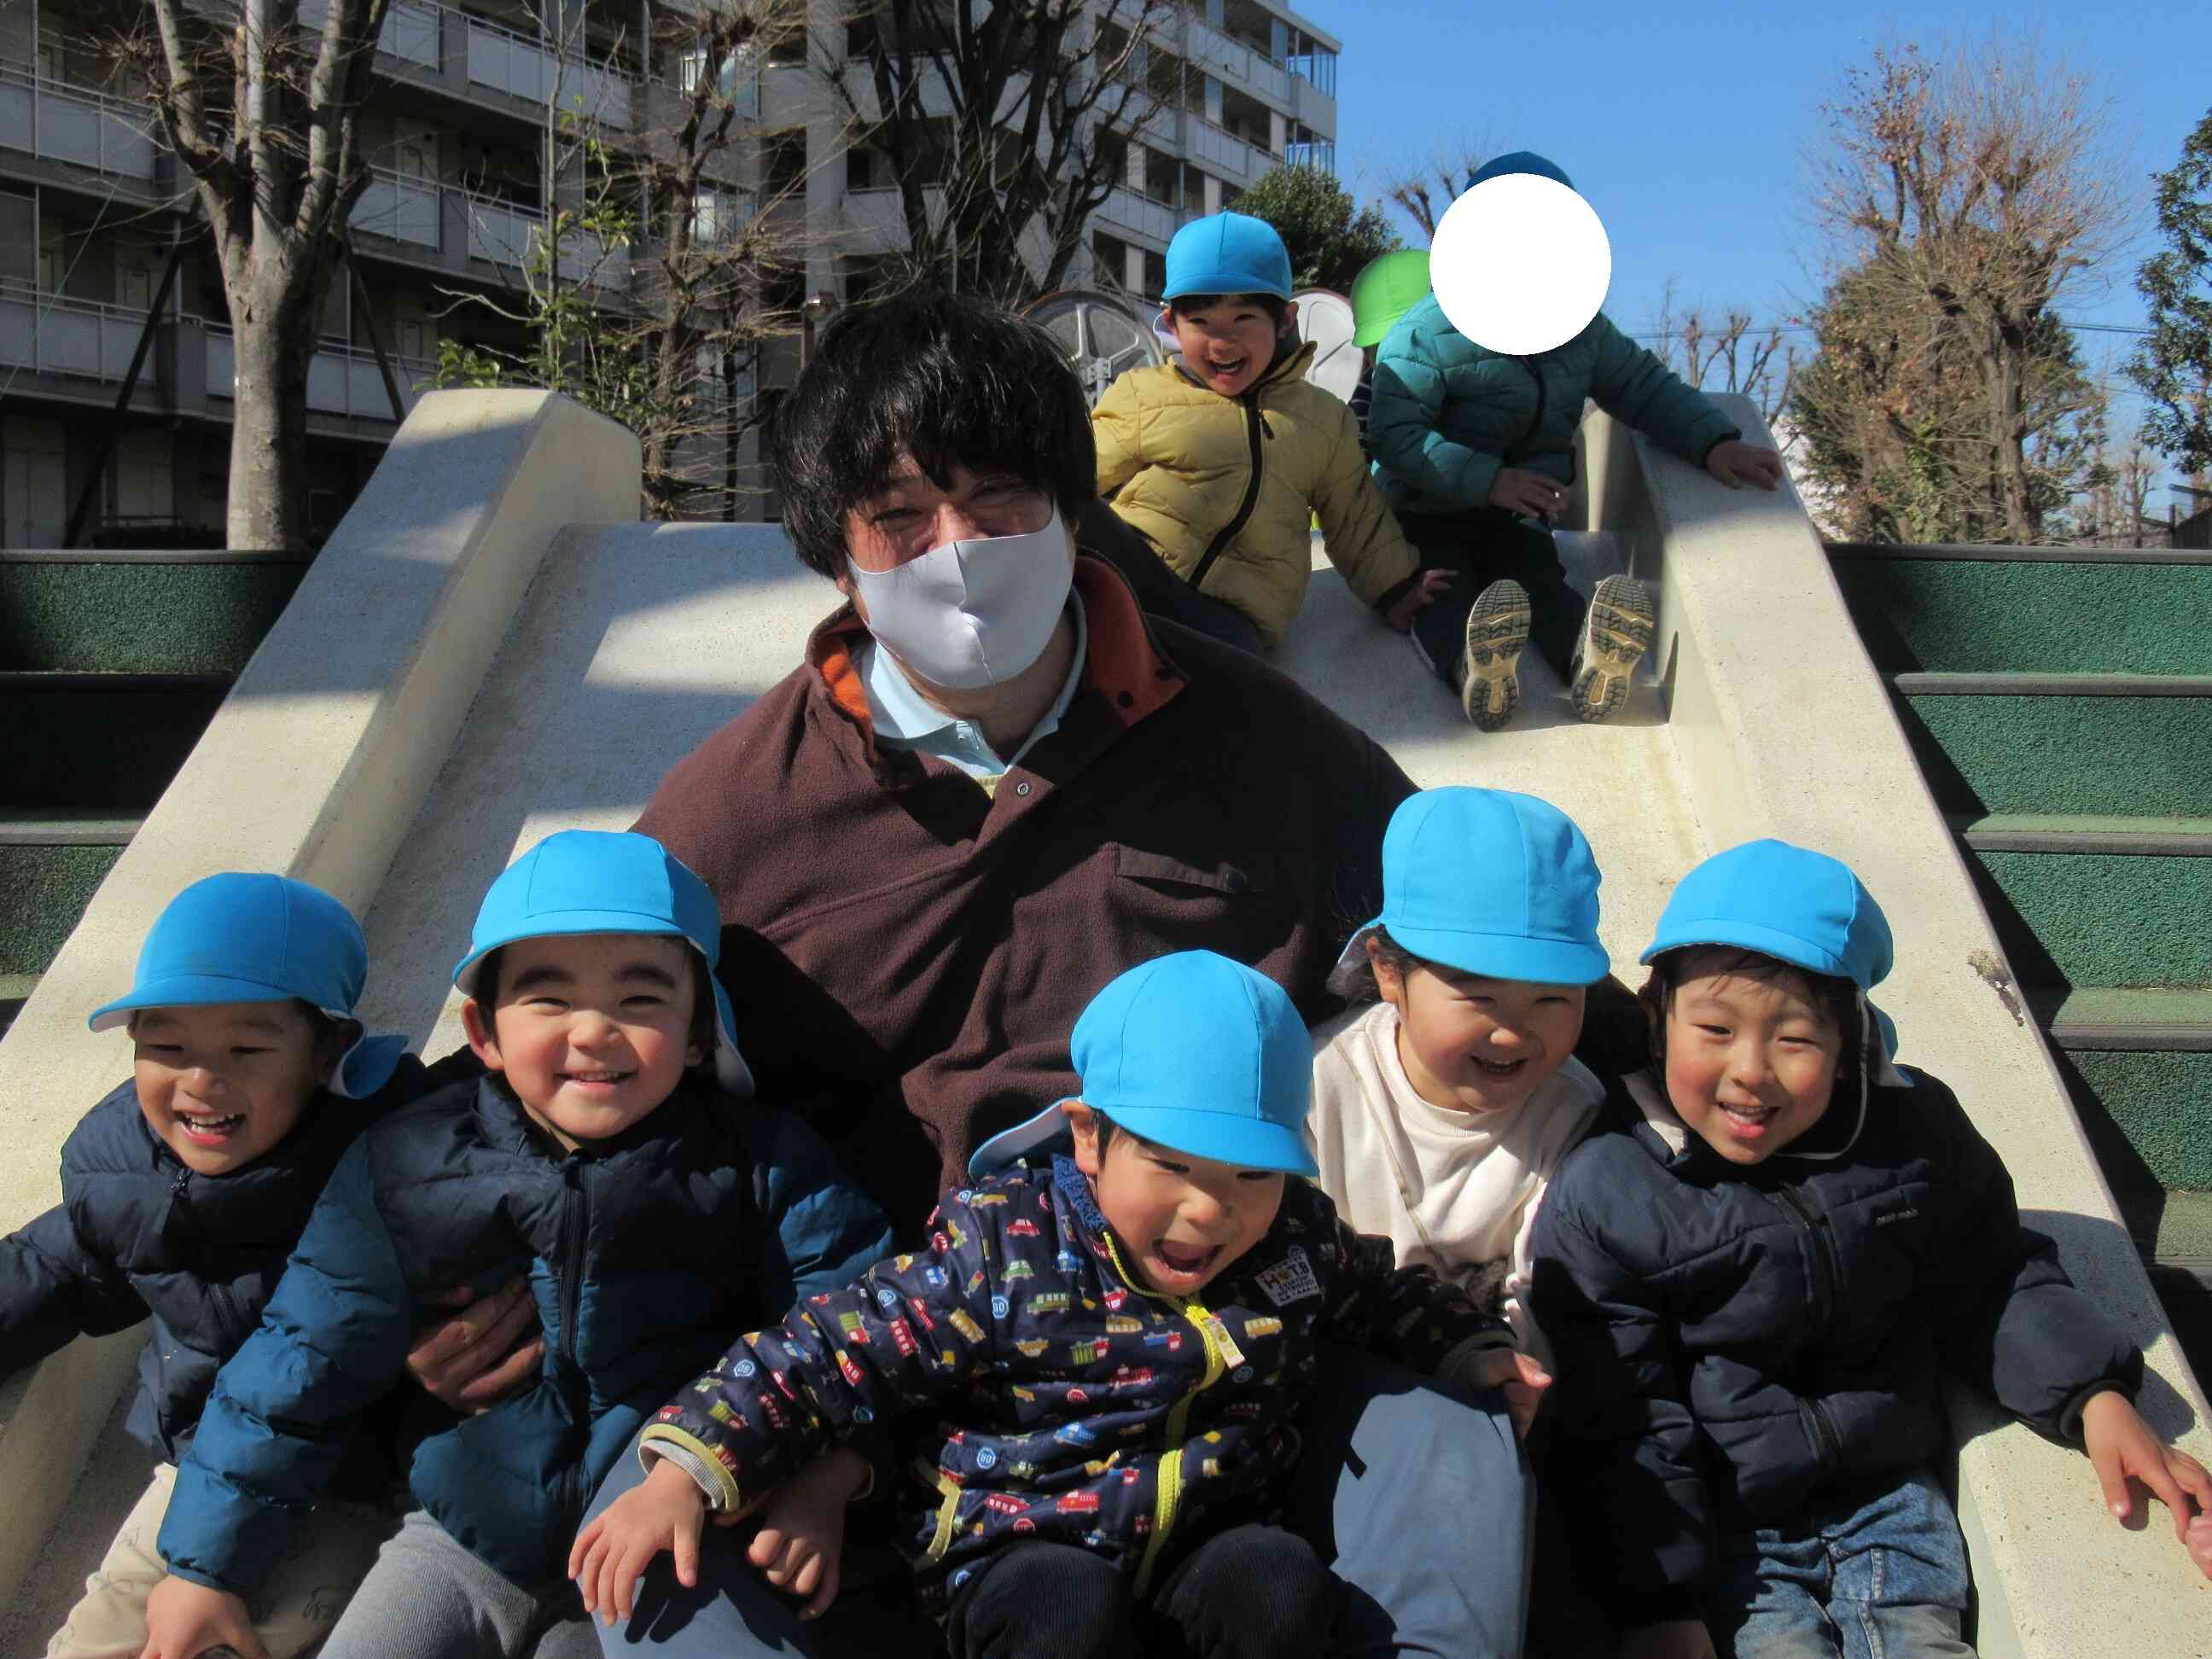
1226 488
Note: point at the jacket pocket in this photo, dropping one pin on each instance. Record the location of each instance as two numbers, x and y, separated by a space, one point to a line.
1250 874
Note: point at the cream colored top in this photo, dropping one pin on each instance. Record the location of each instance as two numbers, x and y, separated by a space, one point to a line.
1456 1191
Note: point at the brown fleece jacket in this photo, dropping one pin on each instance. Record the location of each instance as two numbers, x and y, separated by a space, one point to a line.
912 950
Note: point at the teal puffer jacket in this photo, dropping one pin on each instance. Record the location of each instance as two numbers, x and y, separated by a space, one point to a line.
1447 413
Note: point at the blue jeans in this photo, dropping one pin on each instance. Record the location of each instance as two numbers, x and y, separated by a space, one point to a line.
1880 1579
1416 1498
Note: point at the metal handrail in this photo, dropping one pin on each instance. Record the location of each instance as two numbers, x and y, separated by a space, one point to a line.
30 75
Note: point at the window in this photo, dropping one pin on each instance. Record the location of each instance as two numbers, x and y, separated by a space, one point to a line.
863 168
737 68
783 161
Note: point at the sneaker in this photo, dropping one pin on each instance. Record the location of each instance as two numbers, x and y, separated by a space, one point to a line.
1616 632
1490 673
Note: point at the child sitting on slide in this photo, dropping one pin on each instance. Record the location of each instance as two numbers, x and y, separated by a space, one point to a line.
1105 1347
1476 451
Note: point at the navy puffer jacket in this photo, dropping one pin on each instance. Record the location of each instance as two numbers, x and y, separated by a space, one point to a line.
1736 1343
644 1252
138 1233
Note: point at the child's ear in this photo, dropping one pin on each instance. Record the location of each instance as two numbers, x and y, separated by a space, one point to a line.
332 1048
1166 323
1389 983
484 1037
1082 1123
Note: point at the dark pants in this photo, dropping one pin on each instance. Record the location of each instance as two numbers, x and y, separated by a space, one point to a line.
1416 1498
1483 547
1102 530
1252 1592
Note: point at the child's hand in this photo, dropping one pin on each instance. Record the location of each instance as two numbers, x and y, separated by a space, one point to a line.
802 1531
185 1621
1417 599
1523 1380
2122 1447
1678 1638
1519 490
1737 464
610 1555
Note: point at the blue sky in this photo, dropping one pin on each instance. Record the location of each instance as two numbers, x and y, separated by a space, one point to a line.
1686 126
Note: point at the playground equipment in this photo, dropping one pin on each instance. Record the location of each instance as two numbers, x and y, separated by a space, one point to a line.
1104 336
1326 323
487 651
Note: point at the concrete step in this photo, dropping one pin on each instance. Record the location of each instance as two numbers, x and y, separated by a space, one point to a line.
2099 744
2084 832
2121 919
50 864
168 612
1986 610
98 744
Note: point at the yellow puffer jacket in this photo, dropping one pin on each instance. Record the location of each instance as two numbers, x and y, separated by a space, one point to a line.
1226 488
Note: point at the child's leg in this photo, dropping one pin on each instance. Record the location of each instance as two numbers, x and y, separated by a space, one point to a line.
1045 1601
1900 1575
329 1553
428 1598
1773 1602
1253 1593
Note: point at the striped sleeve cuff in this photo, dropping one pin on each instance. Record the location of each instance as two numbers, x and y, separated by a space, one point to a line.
695 1458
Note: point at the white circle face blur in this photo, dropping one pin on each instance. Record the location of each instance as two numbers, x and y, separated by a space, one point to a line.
1520 264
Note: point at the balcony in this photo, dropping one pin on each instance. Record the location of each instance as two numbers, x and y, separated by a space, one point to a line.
506 234
411 30
1225 154
341 380
64 123
1157 220
1237 61
44 334
405 210
517 64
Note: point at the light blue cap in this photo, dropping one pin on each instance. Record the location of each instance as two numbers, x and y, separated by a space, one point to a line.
249 937
1519 160
1488 882
597 881
1788 903
1227 254
1195 1052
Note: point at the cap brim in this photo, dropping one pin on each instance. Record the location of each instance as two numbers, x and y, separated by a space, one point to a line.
1750 936
564 924
1508 956
1249 1143
187 991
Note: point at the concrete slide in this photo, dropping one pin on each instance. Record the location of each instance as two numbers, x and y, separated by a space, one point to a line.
491 648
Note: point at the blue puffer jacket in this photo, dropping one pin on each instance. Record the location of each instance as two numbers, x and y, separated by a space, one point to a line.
1447 413
1734 1343
137 1233
644 1252
1084 1408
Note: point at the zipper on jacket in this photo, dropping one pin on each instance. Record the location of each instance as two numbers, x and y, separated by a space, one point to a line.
572 1296
1826 1446
1535 420
1821 1293
1229 531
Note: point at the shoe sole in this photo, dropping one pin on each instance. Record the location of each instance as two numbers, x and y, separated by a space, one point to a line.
1497 629
1615 635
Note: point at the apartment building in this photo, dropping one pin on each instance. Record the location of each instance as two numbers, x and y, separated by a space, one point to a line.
456 136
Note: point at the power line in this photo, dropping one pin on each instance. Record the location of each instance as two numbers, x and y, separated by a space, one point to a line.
1808 328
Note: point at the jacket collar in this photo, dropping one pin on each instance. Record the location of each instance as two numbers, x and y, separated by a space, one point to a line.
505 1123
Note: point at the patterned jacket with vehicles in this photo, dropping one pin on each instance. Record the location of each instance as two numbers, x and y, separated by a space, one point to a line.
1072 1405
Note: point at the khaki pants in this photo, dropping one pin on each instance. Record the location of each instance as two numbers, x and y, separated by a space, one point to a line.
330 1552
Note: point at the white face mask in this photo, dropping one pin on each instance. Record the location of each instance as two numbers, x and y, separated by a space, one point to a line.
972 614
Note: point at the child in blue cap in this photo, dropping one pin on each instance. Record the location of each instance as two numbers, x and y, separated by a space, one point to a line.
1757 1272
1107 1343
602 1154
1220 459
1476 451
182 1193
1443 1106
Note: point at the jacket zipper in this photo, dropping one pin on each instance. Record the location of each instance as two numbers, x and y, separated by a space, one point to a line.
1229 531
1535 420
572 1296
1821 1293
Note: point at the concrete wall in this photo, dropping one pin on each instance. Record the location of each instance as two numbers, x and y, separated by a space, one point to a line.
315 767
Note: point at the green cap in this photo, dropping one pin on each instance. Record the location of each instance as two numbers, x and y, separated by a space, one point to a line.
1386 290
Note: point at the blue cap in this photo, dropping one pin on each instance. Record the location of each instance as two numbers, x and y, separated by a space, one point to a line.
242 938
1195 1052
594 881
1227 254
1519 160
1488 882
1788 903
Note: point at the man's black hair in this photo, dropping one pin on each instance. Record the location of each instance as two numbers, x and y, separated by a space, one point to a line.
950 381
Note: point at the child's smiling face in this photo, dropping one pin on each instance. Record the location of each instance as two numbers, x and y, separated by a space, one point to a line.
1751 1059
1227 340
222 1083
591 1030
1472 1044
1181 1219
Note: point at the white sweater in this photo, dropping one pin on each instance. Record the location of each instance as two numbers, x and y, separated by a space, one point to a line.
1456 1191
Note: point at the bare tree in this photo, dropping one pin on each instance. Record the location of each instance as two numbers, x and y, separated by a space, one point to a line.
1967 196
262 116
1422 189
2123 467
1003 130
1727 353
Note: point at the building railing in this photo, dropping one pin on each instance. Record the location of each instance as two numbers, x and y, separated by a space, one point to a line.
406 210
1235 159
1132 211
341 380
64 123
411 29
1236 60
1321 153
507 234
513 63
46 334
